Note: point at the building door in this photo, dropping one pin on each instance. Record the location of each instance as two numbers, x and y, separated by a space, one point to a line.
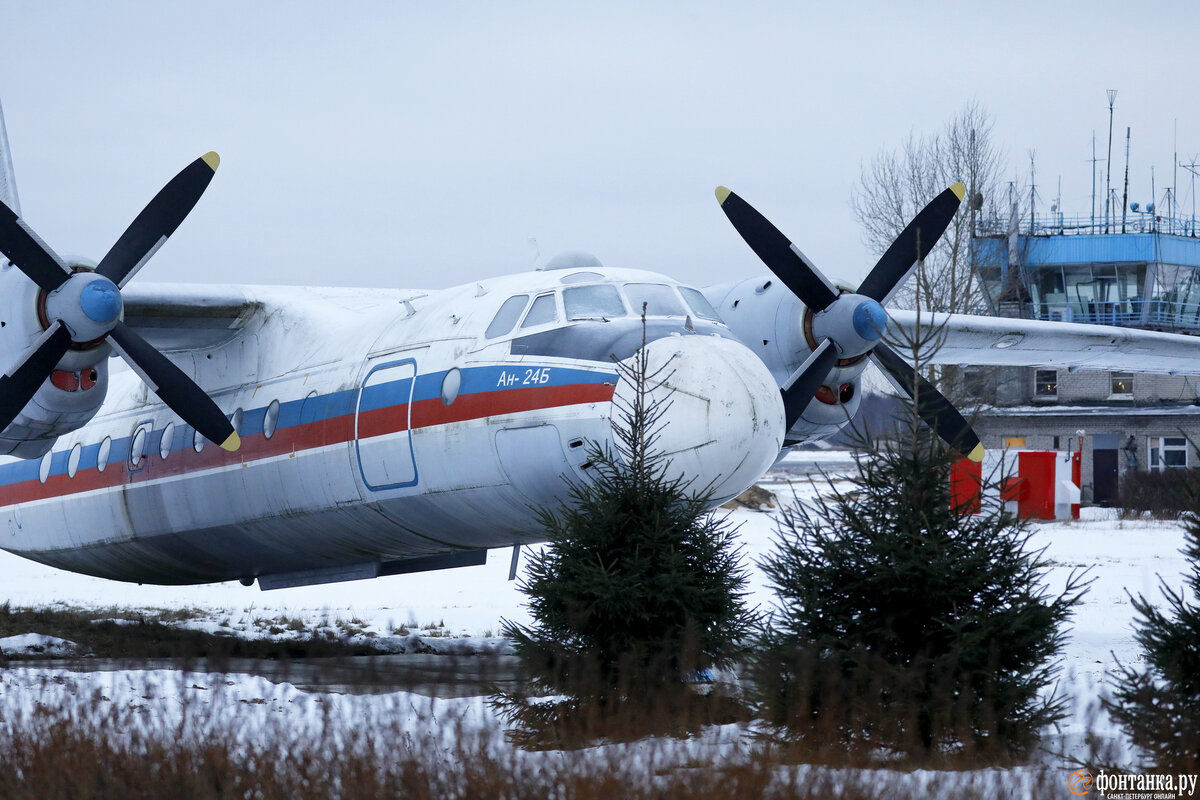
1105 491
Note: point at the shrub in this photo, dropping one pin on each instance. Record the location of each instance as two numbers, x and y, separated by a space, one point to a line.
905 624
1162 493
638 586
1159 706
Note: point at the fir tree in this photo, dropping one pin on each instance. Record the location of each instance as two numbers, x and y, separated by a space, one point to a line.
905 624
638 586
1159 706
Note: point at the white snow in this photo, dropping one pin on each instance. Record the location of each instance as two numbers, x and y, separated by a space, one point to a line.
37 644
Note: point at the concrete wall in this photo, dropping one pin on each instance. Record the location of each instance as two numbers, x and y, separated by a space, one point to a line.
1040 427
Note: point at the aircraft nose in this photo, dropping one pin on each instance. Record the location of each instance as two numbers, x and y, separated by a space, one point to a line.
722 425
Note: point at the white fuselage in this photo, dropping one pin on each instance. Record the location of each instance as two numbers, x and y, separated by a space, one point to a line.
378 429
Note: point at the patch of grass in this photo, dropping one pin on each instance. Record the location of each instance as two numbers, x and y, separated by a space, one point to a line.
156 633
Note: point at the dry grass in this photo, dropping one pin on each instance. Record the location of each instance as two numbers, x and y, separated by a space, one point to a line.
97 748
157 633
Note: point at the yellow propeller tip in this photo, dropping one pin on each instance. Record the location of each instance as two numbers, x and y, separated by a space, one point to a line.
722 194
960 191
232 443
976 455
212 159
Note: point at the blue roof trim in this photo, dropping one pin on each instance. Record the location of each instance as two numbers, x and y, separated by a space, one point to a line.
1045 251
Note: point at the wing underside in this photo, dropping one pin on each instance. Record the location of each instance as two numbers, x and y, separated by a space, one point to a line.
176 317
999 341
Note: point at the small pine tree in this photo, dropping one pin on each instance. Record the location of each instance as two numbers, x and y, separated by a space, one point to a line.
638 585
905 624
1159 706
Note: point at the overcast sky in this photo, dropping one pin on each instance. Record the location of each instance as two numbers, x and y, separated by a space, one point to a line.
423 144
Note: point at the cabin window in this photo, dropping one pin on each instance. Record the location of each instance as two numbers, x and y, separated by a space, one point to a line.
271 419
73 460
44 467
197 441
137 447
236 422
168 437
660 300
699 304
102 453
506 318
451 384
593 302
541 312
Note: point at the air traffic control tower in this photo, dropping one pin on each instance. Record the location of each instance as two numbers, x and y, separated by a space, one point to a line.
1142 271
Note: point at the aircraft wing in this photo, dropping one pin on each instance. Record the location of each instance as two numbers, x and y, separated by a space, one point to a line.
180 316
187 316
999 341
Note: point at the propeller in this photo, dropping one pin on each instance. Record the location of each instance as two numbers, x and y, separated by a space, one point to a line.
84 307
848 325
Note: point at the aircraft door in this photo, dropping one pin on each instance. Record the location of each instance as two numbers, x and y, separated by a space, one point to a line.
534 462
382 439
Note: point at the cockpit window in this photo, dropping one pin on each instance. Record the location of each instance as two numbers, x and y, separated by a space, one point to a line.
581 277
660 300
541 312
699 303
507 316
593 302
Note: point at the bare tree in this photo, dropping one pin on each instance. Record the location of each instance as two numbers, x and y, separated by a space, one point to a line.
897 183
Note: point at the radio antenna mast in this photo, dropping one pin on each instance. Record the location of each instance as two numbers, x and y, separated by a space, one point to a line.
1125 196
1112 98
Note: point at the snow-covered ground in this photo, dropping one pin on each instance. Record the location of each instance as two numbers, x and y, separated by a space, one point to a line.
1124 557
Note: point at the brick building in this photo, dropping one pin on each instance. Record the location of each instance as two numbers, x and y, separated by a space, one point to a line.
1143 273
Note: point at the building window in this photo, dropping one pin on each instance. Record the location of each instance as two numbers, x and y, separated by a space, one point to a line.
1045 384
1122 384
978 384
1168 452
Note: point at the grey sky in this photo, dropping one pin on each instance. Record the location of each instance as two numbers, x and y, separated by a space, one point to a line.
422 144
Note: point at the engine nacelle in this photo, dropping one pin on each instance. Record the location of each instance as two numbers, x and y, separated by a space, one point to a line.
771 321
71 396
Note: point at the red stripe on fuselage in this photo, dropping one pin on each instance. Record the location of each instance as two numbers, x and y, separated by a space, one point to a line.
322 433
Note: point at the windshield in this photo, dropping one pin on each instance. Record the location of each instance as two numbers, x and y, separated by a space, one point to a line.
593 302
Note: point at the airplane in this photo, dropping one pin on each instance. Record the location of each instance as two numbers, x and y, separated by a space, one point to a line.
305 435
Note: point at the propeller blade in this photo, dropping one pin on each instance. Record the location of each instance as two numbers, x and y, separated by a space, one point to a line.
799 389
177 390
932 405
158 220
26 250
912 245
21 382
781 256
